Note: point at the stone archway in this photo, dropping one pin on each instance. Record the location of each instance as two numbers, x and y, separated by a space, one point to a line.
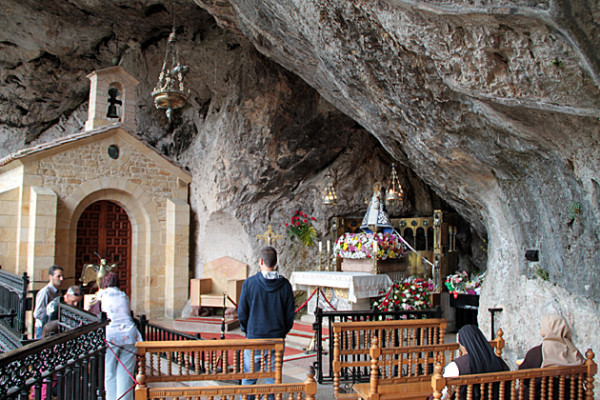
104 230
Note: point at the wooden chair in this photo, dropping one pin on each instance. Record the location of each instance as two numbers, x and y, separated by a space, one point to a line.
223 275
351 345
405 372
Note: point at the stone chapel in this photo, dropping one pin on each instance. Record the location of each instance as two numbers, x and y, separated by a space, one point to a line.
100 193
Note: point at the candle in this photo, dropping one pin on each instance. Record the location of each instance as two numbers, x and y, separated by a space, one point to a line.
320 246
328 246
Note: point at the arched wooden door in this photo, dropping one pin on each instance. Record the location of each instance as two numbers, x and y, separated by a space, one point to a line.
104 228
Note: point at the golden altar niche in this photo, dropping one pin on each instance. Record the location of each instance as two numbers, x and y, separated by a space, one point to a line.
421 234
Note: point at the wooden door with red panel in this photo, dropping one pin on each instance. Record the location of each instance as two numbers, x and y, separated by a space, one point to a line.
104 231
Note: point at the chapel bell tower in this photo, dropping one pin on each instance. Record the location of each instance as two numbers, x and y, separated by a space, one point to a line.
112 98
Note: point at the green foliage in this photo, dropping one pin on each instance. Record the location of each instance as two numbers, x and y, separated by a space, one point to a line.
300 227
557 62
541 273
574 210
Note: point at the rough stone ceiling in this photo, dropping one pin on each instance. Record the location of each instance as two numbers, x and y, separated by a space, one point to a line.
495 105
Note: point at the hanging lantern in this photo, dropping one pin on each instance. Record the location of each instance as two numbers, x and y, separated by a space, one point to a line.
169 93
394 196
329 195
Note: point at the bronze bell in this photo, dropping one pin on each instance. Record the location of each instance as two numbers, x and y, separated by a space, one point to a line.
112 103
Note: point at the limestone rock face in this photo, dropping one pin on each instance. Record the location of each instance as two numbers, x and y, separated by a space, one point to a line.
491 107
494 104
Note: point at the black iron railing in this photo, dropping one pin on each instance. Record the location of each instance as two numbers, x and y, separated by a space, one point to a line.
13 306
69 365
324 367
152 332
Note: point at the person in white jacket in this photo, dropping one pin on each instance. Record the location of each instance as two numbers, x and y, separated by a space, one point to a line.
121 335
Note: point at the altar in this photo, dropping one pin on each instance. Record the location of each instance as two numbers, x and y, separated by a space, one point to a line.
343 290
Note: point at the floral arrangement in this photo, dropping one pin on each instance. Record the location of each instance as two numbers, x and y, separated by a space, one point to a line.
460 283
412 293
300 227
360 245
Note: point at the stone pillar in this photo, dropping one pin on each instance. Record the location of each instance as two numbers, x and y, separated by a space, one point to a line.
177 256
41 235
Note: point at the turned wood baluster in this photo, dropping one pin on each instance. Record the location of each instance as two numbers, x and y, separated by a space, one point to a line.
561 387
499 342
169 363
311 384
592 368
336 363
278 366
375 353
438 381
141 392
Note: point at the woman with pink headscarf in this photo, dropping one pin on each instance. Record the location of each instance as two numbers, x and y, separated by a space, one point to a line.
556 349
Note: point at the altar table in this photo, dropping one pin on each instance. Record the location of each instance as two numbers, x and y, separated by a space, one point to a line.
344 290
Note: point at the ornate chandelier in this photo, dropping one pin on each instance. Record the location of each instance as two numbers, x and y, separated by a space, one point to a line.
169 93
329 195
394 195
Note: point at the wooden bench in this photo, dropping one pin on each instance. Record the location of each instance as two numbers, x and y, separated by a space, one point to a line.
204 360
289 391
511 385
405 372
351 345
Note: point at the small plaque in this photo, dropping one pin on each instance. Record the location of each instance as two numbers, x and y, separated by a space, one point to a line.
113 151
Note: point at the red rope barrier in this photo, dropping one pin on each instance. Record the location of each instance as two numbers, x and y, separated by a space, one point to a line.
306 302
135 382
327 301
233 302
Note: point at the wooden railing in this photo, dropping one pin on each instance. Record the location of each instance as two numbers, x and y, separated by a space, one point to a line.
324 362
153 332
352 343
208 360
556 383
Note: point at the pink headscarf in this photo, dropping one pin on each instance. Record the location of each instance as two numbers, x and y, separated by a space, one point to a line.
557 348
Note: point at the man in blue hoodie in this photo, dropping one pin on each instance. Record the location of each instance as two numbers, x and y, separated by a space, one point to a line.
266 307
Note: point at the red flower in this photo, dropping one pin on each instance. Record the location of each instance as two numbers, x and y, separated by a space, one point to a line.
313 218
297 212
286 224
305 221
297 223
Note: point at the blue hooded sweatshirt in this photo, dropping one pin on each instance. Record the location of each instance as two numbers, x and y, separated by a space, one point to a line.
266 308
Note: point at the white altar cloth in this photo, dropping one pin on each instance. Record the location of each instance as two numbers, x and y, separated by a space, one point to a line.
360 285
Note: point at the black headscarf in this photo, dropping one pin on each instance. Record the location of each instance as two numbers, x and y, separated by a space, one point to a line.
482 358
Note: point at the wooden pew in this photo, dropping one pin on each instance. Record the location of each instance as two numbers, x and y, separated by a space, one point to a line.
288 391
576 382
405 372
204 360
351 342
